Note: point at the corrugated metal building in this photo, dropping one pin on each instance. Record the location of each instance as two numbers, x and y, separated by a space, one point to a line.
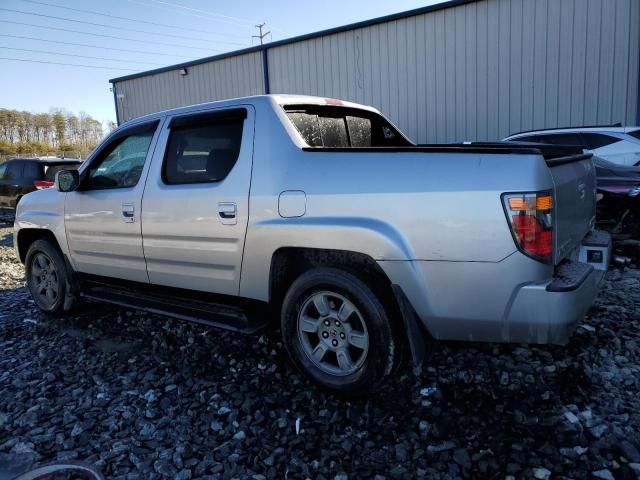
460 70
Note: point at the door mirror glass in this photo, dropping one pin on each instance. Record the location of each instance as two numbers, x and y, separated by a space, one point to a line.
67 180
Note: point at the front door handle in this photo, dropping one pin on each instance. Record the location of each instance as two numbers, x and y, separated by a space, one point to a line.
227 213
128 212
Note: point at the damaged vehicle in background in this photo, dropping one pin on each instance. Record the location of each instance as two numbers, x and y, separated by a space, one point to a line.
615 143
322 215
618 207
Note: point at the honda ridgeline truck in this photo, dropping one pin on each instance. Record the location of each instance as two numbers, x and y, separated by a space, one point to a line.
322 214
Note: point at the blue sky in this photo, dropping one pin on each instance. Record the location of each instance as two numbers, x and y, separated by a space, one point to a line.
212 27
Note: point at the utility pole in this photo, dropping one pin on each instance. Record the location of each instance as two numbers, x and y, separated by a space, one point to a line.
262 35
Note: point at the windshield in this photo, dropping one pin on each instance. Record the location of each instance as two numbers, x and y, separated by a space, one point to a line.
340 127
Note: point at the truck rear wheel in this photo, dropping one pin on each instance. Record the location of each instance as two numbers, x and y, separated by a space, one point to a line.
46 275
337 331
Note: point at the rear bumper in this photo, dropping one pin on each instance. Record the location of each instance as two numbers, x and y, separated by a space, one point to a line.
550 312
515 300
541 315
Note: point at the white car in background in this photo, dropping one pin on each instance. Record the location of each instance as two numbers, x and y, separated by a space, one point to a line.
614 143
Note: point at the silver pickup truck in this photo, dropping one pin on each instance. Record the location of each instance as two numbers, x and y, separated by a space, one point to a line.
322 214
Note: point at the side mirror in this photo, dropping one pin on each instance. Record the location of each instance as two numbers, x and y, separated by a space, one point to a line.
67 180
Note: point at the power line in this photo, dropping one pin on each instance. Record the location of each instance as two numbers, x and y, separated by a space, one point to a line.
92 46
106 36
157 24
184 7
76 55
67 64
226 18
95 24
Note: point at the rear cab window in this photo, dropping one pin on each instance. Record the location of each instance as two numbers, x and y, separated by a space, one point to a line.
329 126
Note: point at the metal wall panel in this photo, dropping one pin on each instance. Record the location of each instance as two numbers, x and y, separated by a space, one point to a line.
227 78
479 71
475 71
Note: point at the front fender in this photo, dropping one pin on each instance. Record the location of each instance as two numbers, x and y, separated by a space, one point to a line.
42 210
377 239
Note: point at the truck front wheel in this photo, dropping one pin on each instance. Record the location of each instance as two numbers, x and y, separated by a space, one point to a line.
46 276
337 331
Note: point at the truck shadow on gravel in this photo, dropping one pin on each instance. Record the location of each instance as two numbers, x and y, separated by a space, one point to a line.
137 393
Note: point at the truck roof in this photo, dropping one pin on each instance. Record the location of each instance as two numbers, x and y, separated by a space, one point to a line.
280 99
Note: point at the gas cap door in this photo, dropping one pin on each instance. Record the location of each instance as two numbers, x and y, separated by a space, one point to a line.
292 203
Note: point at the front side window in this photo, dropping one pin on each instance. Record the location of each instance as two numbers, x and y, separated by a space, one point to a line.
339 127
121 164
202 153
3 170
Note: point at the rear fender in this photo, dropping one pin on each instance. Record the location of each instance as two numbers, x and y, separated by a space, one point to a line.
371 237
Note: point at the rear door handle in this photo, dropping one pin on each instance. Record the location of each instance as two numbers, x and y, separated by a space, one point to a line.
128 212
227 213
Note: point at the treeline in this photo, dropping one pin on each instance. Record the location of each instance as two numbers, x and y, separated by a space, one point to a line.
54 133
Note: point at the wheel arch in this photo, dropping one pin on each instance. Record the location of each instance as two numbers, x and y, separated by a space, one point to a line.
26 236
288 263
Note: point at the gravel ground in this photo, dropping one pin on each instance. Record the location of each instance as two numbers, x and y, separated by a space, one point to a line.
143 396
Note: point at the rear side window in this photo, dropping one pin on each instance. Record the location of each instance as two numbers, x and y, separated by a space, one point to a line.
635 133
339 127
562 139
3 170
529 138
51 170
597 140
33 170
203 151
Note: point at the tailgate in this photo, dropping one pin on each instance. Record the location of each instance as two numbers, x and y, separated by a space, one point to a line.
574 201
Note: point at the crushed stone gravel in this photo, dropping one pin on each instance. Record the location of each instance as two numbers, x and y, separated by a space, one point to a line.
144 396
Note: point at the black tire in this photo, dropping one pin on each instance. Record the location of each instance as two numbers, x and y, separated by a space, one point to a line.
381 354
53 277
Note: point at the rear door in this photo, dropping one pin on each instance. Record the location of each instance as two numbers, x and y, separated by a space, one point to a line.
195 207
3 173
12 183
102 218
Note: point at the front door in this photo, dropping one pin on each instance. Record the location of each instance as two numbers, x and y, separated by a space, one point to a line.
195 206
102 217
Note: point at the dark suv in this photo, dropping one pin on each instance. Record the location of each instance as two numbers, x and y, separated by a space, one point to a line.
20 176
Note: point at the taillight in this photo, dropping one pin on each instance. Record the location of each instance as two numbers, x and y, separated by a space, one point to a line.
530 217
41 184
